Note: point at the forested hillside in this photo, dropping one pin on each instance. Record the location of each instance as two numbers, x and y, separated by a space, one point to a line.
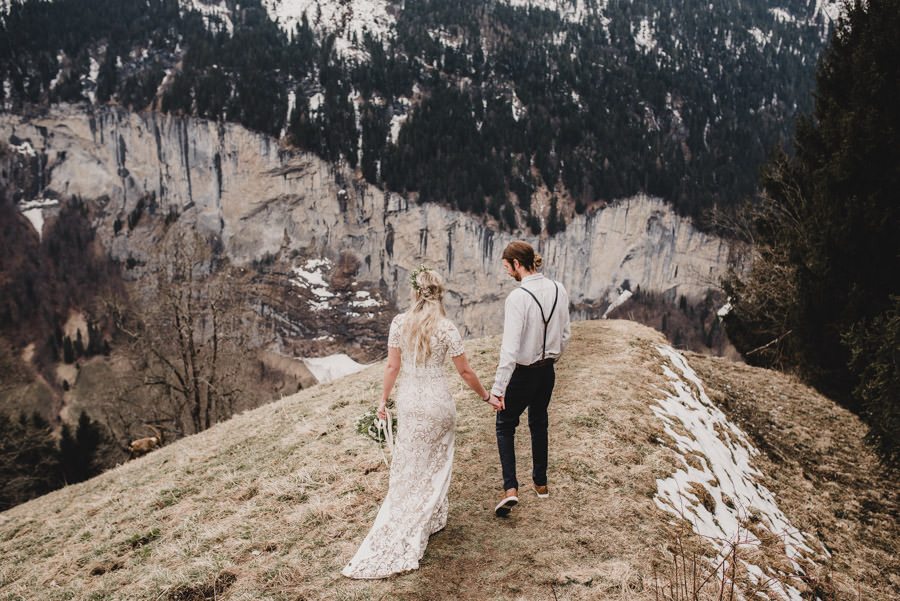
478 105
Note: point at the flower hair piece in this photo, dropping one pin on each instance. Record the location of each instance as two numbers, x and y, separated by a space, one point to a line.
415 274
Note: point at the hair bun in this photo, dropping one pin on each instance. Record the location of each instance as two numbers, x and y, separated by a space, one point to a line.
538 260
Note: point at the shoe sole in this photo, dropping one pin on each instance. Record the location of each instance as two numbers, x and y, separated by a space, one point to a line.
546 495
505 506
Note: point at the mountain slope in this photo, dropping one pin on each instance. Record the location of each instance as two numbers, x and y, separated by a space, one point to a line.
272 503
583 101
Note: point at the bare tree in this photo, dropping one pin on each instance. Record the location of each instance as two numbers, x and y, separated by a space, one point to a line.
186 337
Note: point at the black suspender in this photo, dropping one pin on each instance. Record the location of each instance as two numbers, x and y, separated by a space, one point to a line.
548 318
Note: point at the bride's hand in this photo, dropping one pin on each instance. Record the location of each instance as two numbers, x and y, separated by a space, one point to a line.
382 410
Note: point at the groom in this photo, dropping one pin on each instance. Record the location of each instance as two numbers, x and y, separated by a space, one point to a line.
535 333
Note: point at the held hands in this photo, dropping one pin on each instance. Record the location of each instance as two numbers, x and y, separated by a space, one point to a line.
496 402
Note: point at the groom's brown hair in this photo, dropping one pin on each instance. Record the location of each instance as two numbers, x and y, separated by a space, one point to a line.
523 252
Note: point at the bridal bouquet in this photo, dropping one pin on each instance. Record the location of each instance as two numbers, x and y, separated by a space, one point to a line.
369 424
379 430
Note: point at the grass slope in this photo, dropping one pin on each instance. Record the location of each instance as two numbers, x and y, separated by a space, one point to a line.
271 504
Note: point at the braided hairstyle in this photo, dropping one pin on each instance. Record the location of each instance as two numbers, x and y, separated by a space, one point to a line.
425 312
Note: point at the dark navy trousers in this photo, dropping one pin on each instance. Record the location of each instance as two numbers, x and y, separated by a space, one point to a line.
528 388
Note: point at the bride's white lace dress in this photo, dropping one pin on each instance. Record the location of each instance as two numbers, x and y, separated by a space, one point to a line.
416 503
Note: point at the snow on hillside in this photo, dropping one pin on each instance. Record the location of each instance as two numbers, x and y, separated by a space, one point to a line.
718 490
830 10
344 19
621 298
214 12
319 295
311 277
24 148
332 367
570 10
33 210
643 38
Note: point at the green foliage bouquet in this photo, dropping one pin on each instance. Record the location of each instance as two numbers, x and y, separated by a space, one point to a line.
369 424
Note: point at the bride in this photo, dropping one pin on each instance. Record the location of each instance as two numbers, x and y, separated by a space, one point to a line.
416 503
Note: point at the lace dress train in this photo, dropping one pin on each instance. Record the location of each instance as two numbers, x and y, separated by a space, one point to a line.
416 504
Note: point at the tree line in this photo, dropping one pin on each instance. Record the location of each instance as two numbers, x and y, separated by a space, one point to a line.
521 100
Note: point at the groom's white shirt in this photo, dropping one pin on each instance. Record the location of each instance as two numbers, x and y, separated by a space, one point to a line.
523 329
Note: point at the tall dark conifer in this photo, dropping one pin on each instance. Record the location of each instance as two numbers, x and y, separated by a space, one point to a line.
830 220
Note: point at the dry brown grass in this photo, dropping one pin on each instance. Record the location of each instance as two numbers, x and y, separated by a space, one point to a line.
272 503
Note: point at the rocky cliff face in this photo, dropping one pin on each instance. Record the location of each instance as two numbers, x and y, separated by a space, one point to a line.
261 199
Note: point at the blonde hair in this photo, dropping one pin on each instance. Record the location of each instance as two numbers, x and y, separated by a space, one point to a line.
425 312
524 253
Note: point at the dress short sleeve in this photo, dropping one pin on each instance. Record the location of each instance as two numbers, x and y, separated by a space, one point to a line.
394 333
454 341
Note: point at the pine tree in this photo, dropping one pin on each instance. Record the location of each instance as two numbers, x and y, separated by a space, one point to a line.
106 78
29 459
79 451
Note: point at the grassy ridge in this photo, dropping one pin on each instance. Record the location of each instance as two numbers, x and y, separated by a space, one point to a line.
271 504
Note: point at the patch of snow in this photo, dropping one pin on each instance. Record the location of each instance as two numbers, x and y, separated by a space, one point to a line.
41 203
36 217
831 10
624 296
760 37
318 305
166 81
446 39
292 102
332 367
91 78
60 56
344 19
311 278
721 472
643 39
315 101
724 310
24 148
214 13
397 122
364 300
518 109
573 11
782 16
311 273
399 117
576 98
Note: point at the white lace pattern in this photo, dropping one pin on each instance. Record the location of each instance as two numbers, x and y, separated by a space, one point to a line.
416 504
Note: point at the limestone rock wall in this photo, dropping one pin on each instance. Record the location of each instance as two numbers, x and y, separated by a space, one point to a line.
260 198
